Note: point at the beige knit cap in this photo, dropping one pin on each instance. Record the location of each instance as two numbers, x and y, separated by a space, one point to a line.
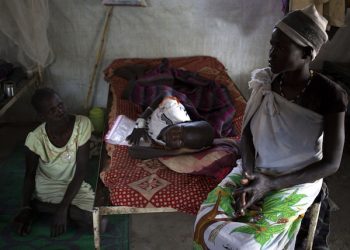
305 27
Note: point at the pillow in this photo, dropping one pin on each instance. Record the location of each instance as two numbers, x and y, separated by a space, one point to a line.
216 161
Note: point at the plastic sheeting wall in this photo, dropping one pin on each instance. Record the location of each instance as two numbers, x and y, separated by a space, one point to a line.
337 49
236 32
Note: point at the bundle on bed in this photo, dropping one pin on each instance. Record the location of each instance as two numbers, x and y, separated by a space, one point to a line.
150 183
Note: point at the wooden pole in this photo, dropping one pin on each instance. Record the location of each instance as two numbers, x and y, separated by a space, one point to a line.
40 74
99 56
315 211
96 223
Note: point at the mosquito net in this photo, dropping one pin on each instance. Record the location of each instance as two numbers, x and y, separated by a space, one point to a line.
25 23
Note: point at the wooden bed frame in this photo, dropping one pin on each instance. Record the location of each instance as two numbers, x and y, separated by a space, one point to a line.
102 204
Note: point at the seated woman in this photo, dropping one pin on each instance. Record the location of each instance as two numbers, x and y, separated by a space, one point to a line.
167 123
56 164
293 137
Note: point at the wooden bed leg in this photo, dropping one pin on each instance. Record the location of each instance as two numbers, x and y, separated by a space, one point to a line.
96 222
315 211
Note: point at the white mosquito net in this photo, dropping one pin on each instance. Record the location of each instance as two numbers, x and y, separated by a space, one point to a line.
25 23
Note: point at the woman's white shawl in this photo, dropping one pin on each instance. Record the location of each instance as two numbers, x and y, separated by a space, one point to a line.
286 136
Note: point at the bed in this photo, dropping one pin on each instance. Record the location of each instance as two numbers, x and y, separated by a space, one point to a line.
126 185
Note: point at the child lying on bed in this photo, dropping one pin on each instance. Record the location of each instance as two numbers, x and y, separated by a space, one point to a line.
166 123
185 110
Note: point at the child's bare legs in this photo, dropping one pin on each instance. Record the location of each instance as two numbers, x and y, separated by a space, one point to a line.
81 217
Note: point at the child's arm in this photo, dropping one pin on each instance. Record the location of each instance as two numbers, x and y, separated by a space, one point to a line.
25 216
140 126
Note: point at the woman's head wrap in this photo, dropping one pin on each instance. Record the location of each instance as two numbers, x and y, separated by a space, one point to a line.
305 27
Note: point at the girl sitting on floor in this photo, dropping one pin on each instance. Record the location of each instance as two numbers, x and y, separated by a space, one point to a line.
56 165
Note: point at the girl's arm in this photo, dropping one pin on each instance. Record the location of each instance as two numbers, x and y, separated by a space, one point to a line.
26 214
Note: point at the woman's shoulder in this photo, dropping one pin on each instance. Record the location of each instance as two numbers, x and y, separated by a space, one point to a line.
83 124
333 95
37 135
82 120
328 86
261 77
38 131
263 74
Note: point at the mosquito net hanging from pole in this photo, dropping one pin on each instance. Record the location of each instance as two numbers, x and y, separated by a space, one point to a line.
25 23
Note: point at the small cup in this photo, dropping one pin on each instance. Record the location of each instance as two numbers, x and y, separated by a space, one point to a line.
9 89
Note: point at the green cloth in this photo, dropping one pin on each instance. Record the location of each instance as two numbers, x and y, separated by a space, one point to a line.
57 165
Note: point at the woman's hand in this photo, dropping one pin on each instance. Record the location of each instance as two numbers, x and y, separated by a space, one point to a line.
255 186
59 222
24 220
136 135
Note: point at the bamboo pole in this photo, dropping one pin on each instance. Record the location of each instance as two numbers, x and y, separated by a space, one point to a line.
40 74
99 56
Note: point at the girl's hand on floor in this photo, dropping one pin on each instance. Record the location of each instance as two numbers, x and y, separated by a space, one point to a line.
24 220
59 222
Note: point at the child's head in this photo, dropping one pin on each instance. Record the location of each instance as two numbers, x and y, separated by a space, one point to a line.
169 112
48 104
194 135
